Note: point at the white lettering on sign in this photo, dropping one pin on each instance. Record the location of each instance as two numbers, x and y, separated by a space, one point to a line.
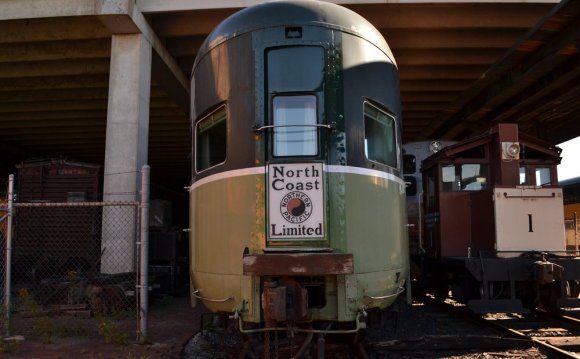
295 201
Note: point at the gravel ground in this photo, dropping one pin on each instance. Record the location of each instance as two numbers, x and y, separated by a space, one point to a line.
407 331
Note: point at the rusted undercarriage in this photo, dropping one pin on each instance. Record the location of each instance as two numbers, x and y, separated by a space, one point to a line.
285 301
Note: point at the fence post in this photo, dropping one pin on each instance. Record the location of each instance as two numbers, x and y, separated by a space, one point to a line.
144 255
8 280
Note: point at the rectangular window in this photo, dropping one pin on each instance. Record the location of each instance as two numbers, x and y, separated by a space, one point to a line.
409 164
465 177
380 136
523 175
211 140
295 122
543 176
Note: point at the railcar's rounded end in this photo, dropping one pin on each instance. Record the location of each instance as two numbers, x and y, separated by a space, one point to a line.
290 13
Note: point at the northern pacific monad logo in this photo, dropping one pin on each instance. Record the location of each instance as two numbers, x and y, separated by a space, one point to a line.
296 207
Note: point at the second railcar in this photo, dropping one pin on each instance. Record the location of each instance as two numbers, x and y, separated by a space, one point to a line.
297 195
494 226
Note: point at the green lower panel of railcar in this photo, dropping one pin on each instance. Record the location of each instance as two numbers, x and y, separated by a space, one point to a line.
365 217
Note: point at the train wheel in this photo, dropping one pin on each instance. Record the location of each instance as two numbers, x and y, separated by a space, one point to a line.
528 294
465 288
549 295
441 290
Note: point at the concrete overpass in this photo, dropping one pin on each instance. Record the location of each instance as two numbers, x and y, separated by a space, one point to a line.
107 81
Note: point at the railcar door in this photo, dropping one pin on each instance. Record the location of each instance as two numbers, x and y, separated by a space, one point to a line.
295 157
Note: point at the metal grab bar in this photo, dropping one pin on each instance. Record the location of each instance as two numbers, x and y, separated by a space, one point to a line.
360 324
401 290
331 126
546 196
194 293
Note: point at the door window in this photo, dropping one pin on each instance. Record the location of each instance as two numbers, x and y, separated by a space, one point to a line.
294 120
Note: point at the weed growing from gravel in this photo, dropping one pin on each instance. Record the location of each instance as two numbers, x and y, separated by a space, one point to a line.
111 332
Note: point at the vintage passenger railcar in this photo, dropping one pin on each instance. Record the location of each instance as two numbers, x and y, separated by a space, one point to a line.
297 197
494 226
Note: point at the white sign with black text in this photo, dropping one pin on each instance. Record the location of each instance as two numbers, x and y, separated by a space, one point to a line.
295 201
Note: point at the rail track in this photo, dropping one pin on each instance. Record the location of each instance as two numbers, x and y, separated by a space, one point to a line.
555 333
558 334
425 329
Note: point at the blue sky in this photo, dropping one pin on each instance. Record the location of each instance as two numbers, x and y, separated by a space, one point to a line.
570 165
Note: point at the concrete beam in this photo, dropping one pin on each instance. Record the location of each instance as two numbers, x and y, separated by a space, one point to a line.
451 38
117 16
447 57
454 16
458 72
58 50
30 9
435 85
156 6
78 94
52 29
54 82
55 68
174 80
68 105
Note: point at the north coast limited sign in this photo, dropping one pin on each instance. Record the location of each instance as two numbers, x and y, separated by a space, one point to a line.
295 201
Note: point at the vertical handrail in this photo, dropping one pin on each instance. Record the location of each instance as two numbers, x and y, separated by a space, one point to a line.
576 231
144 255
8 280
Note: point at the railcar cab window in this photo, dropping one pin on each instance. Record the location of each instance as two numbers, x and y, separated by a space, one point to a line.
380 139
464 177
294 119
211 139
542 176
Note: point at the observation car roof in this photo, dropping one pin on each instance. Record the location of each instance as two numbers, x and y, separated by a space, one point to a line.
570 181
294 13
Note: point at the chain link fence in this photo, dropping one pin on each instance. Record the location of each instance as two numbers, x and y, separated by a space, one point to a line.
3 237
572 235
75 268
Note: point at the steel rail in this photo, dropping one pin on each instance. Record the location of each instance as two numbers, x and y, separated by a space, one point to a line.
539 342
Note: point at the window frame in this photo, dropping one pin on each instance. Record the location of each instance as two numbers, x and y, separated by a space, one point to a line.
317 138
397 164
457 185
223 107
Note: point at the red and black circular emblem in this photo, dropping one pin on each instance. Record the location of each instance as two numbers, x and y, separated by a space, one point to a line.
296 207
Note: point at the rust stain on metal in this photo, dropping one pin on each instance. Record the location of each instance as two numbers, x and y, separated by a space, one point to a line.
298 264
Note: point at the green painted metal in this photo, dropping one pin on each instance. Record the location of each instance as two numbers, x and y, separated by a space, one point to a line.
359 223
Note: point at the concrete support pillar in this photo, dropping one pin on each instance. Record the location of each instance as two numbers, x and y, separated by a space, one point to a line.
126 147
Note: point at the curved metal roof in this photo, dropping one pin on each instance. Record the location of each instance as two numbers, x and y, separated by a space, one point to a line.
294 13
